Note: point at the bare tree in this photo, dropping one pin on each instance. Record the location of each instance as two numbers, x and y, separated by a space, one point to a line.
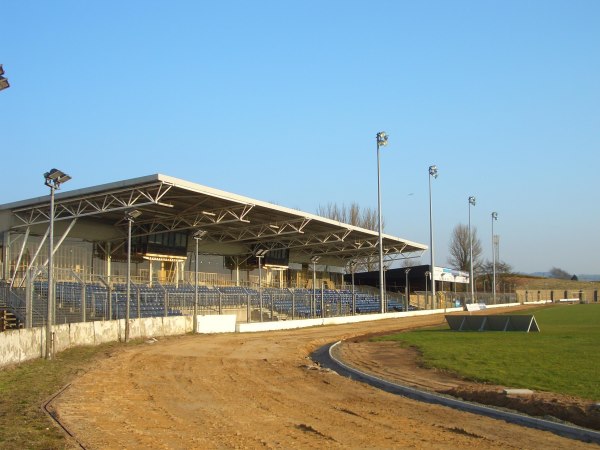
460 248
502 269
411 262
331 211
370 220
354 215
561 274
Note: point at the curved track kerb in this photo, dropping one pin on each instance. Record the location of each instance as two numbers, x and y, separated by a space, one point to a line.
325 357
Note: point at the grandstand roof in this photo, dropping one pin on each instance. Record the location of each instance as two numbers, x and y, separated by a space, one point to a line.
235 225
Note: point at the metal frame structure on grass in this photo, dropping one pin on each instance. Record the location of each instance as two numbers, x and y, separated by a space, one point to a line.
498 322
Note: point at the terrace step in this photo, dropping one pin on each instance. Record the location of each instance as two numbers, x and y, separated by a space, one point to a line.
8 321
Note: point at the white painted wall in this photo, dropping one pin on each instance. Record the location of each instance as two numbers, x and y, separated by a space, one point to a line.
304 323
217 324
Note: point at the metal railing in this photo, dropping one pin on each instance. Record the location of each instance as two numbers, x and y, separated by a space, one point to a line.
77 300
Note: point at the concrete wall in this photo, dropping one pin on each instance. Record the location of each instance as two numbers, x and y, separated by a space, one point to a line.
30 343
540 302
24 344
535 295
217 324
177 325
21 345
304 323
503 305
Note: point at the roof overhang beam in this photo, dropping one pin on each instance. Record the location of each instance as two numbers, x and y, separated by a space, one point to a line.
264 231
201 219
71 208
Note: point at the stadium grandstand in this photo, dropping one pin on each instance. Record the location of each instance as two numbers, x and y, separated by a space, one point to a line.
185 243
417 280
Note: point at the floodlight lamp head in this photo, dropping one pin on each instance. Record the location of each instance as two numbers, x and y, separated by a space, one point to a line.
494 215
261 252
472 200
199 234
3 81
382 139
315 259
54 178
433 171
133 214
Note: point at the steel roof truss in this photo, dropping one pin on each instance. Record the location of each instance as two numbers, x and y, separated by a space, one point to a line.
96 204
264 231
231 214
318 238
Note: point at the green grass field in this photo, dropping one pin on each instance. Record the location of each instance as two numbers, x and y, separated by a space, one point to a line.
564 357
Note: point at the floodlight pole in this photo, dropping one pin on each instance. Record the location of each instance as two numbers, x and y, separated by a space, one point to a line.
426 288
382 140
353 268
472 280
3 81
494 217
130 216
197 237
406 290
314 299
195 320
314 260
53 179
260 254
433 173
260 298
129 221
50 313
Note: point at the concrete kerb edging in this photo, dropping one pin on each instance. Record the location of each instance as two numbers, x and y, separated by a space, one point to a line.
538 302
325 357
254 327
502 305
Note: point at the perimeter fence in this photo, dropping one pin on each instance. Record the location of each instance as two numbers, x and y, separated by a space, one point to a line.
97 299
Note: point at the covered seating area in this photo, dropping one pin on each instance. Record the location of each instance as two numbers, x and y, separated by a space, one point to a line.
266 261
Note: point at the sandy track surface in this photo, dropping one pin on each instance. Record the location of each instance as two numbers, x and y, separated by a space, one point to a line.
261 391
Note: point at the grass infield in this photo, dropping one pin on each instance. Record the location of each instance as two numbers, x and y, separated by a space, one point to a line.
563 358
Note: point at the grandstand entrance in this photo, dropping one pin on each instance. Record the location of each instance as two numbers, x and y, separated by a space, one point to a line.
277 277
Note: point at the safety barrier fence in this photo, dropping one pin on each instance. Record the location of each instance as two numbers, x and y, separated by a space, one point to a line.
77 301
83 302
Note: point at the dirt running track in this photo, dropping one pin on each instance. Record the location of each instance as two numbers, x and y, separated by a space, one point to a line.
261 391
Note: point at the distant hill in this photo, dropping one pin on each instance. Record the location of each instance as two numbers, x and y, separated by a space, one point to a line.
583 277
589 277
531 282
540 274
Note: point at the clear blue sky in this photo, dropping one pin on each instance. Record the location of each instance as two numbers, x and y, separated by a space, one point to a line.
281 101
